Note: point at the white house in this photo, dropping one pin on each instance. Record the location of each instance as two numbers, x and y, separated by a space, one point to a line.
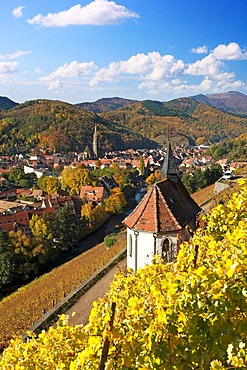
164 218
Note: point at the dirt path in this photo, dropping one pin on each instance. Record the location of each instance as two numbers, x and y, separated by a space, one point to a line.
83 306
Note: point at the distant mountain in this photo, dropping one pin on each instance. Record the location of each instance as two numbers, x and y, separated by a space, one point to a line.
231 102
61 127
106 104
6 103
188 121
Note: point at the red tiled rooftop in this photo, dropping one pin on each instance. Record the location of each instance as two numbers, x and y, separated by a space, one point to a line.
166 207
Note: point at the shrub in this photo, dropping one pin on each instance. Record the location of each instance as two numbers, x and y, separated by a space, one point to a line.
110 240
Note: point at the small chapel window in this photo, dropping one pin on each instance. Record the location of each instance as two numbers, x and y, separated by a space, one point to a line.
130 245
167 250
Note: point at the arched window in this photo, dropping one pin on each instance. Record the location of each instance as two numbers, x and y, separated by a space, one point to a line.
167 250
130 246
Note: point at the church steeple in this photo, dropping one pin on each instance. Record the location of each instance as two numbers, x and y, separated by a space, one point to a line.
169 167
95 142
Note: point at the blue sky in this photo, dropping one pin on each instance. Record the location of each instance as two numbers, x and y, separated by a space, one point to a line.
79 51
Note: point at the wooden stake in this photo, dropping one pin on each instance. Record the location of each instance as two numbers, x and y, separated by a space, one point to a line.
106 344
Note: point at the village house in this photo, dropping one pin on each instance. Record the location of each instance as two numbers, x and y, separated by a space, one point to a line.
224 163
93 194
15 221
11 207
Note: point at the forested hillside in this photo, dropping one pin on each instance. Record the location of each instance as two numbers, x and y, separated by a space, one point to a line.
191 314
231 101
106 104
6 103
235 150
60 127
187 119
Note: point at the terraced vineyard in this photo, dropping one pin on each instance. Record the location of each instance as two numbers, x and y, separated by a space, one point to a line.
21 309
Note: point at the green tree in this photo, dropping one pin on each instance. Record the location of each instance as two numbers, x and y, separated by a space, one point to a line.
24 183
7 261
16 174
65 228
212 174
49 184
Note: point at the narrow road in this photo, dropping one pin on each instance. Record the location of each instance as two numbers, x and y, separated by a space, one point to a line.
83 306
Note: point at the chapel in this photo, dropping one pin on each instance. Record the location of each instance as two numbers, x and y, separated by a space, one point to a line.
165 217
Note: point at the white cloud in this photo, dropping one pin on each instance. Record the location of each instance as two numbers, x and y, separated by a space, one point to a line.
152 66
8 67
206 66
231 51
15 55
73 70
205 85
54 85
153 73
200 50
98 12
18 12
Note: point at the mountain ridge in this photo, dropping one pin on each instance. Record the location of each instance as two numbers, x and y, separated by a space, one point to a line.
231 101
61 126
6 103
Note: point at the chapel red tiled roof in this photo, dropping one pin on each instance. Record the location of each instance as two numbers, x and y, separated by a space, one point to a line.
167 206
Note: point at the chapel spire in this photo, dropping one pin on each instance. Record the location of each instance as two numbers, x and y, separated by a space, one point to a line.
169 166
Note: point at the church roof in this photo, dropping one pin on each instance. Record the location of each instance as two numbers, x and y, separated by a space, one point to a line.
167 206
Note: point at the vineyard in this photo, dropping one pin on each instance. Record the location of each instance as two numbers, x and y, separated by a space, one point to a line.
22 309
186 315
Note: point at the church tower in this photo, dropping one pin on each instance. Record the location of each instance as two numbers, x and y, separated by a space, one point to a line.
95 143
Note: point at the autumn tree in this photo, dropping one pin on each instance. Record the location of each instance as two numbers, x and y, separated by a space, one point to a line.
93 215
41 228
73 179
27 252
116 202
153 178
53 185
50 184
